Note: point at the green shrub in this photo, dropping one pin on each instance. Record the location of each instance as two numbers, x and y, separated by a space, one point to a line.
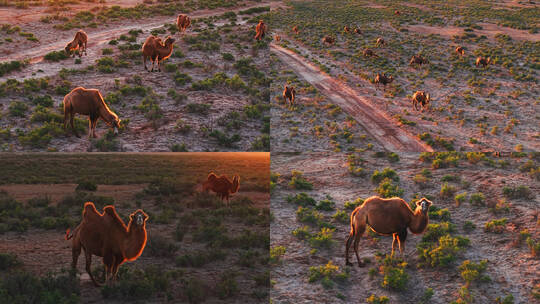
86 186
6 67
327 274
322 239
137 284
299 182
227 286
352 205
447 191
198 108
460 198
8 260
496 226
308 215
377 300
378 176
441 214
276 253
56 56
471 272
534 246
302 232
394 275
518 192
301 199
443 253
326 205
22 287
477 199
387 189
17 109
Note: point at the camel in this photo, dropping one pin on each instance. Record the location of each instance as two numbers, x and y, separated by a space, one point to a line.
260 30
156 50
277 38
387 216
88 102
357 31
221 185
397 13
78 43
105 235
328 40
380 41
347 29
289 93
295 30
483 61
183 22
369 53
421 98
460 51
382 78
417 60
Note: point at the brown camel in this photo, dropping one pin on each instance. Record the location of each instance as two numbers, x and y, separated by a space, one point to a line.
382 78
156 50
221 185
105 235
289 93
483 61
397 13
295 30
328 40
277 38
380 41
421 98
347 29
77 44
260 30
369 53
357 31
88 102
417 60
387 216
183 22
460 51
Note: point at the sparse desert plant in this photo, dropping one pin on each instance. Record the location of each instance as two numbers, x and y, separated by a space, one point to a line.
276 253
379 176
518 192
301 199
496 226
8 260
326 205
373 299
477 199
327 274
447 191
393 271
460 198
469 226
471 272
86 186
323 238
299 182
352 205
387 189
534 246
443 253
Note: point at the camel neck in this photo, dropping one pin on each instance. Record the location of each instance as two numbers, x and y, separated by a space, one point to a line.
419 221
135 241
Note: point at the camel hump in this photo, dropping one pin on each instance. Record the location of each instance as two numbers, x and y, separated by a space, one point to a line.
212 176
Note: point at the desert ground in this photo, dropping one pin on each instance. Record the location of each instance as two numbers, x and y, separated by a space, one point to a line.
482 243
339 107
211 94
199 250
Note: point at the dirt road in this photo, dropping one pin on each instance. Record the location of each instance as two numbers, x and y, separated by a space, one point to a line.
374 121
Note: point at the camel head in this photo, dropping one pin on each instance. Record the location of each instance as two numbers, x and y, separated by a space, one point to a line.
235 184
139 217
424 204
169 41
67 49
113 121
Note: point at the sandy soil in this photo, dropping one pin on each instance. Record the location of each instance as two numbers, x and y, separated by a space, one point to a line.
374 121
511 267
488 29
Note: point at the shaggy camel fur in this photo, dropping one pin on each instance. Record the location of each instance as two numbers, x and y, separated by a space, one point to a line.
154 49
483 61
347 29
417 60
183 22
77 44
421 98
382 78
260 30
289 93
328 40
88 102
460 51
391 216
105 235
222 186
369 53
380 41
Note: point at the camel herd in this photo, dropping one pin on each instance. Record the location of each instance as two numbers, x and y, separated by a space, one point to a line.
106 235
420 99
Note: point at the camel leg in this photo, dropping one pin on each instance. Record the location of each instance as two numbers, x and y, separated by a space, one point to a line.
394 241
75 251
94 124
360 228
402 236
108 261
348 243
89 267
144 63
85 49
90 127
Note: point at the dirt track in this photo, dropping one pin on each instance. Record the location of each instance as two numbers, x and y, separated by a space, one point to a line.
374 121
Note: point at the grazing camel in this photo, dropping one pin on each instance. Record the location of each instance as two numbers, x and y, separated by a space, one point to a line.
89 102
369 53
387 216
346 29
78 43
295 30
289 93
183 22
277 38
380 41
221 185
421 98
357 31
382 78
156 50
260 30
105 235
460 51
328 40
417 60
483 61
